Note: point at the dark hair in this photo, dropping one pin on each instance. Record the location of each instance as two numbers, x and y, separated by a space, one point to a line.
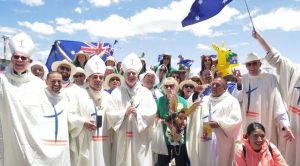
255 125
52 72
162 61
202 63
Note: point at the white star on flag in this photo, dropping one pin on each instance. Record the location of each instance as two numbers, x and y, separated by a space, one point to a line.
197 18
200 2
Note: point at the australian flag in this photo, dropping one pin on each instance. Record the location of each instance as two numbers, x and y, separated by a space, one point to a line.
70 48
204 9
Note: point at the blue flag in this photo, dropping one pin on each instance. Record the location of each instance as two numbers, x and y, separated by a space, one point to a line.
70 48
185 62
204 9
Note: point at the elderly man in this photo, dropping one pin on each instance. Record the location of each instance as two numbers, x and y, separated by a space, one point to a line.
289 83
25 111
261 100
66 69
217 124
79 77
131 115
91 138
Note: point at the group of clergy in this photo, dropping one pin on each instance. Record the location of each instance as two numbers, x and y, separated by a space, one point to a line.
63 124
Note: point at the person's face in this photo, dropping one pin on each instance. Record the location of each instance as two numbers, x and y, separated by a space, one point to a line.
149 81
217 87
207 62
253 67
169 88
65 71
207 76
161 72
37 70
114 82
79 78
19 62
256 139
108 72
110 63
188 90
131 78
54 82
81 58
197 80
166 60
95 81
176 77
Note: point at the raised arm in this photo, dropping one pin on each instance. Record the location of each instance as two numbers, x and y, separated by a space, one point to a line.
265 45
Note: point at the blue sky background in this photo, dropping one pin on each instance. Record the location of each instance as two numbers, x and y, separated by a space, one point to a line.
153 26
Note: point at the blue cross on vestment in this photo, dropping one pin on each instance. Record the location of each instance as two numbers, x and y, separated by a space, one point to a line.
298 88
96 114
249 96
55 116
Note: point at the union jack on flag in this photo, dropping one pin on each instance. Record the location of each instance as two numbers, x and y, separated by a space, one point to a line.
93 49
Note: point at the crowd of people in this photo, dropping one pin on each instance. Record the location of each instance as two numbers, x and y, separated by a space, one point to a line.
91 112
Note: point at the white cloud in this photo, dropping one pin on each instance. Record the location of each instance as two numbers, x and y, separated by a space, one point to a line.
103 3
246 15
282 18
8 30
65 25
78 10
203 47
41 56
150 20
38 27
237 45
33 2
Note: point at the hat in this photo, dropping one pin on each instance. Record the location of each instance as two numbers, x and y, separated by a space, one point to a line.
87 56
56 64
132 61
167 54
187 82
142 76
108 77
94 65
252 57
110 58
194 74
79 70
21 43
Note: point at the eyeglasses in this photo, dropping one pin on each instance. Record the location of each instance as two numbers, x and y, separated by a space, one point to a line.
251 64
114 79
162 70
78 75
167 58
169 86
189 86
65 68
17 57
175 76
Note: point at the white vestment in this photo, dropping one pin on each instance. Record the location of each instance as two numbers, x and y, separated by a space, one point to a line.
34 132
132 137
289 83
262 103
218 151
93 148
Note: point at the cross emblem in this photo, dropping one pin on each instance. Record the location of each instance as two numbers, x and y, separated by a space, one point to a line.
298 88
21 43
96 114
132 61
249 96
55 116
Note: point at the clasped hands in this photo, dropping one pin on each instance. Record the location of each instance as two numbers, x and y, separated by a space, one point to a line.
130 110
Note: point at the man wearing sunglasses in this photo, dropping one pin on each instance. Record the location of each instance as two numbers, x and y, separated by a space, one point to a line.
262 101
27 136
66 69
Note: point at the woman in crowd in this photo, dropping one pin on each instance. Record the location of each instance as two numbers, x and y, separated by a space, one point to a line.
80 59
256 150
187 89
112 81
166 60
39 69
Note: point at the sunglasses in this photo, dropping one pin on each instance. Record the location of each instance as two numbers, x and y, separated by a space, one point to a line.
189 86
169 86
78 75
114 79
162 70
166 58
17 57
252 64
206 60
65 68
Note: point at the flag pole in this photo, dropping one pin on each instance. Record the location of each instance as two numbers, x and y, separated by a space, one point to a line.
249 14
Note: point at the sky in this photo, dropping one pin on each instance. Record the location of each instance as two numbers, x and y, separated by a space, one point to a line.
153 26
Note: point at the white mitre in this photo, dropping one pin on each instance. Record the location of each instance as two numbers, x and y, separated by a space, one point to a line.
21 44
94 65
132 61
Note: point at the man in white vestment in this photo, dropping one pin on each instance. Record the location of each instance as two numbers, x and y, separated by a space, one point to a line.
131 115
217 124
91 138
261 100
24 112
289 83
